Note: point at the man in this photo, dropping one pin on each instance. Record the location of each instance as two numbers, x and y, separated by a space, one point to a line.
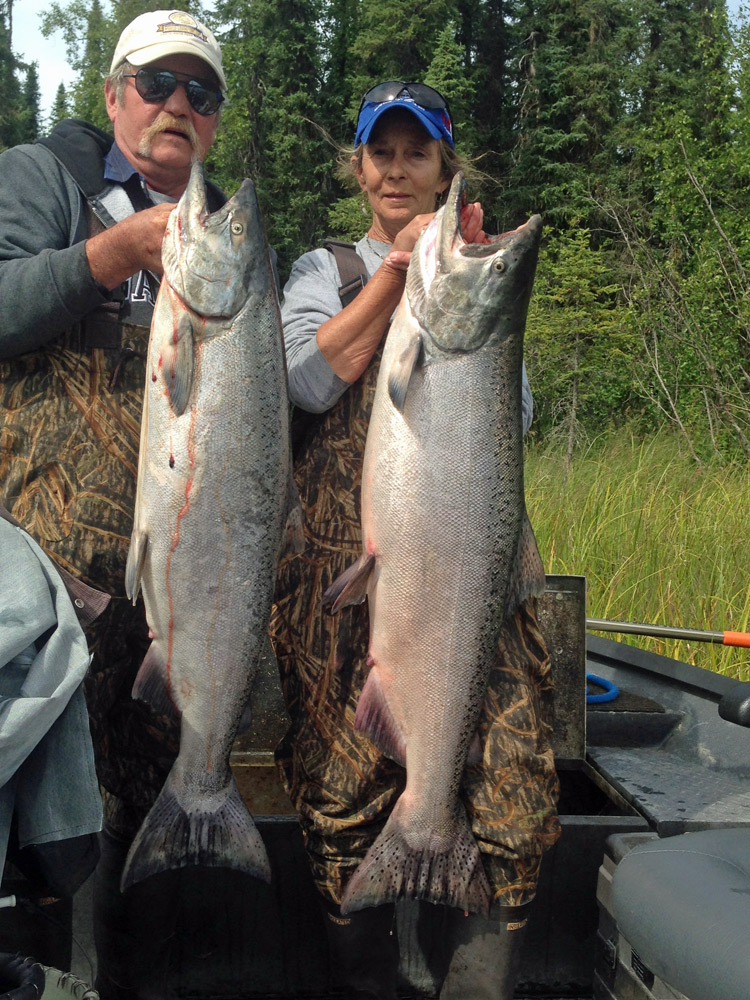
82 219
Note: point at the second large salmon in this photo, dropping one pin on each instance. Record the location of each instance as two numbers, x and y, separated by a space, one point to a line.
449 553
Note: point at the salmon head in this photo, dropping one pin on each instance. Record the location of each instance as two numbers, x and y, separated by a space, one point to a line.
465 294
213 261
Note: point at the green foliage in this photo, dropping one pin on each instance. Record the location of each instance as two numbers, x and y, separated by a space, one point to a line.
60 109
396 40
11 117
578 347
655 538
349 218
270 134
30 109
627 125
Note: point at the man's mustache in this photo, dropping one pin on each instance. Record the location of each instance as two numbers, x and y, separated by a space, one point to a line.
165 122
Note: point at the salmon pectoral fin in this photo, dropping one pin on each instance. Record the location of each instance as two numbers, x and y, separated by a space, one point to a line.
527 579
178 364
351 586
401 371
134 565
375 719
151 684
173 835
395 869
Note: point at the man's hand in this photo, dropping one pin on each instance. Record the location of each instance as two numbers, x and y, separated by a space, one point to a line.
129 246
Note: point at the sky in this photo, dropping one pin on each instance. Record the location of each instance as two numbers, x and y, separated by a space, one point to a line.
30 45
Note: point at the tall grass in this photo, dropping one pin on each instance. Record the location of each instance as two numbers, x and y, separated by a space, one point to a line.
658 538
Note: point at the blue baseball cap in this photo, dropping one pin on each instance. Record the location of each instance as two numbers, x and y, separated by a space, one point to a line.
435 119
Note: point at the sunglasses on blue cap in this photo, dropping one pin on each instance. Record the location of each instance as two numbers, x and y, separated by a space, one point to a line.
427 104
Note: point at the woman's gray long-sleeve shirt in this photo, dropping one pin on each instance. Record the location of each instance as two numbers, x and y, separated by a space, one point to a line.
311 296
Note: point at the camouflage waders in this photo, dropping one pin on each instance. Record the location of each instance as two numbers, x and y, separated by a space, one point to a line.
342 787
68 461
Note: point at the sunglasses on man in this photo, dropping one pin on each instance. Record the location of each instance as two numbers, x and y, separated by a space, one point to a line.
156 85
424 96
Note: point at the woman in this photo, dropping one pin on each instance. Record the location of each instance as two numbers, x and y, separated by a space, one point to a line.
342 787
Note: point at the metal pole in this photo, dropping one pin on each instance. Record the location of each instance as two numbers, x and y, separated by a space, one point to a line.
669 632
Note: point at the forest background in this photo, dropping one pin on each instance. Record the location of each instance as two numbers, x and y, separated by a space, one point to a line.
626 124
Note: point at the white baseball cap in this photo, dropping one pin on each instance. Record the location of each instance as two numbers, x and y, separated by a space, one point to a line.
160 33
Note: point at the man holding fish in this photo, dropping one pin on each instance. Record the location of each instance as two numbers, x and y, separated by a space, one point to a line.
418 755
83 220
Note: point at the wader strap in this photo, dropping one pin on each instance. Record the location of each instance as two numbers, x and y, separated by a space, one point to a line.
101 327
352 270
87 601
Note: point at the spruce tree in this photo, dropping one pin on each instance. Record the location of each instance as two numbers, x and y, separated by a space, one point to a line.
11 117
567 98
31 109
60 107
269 132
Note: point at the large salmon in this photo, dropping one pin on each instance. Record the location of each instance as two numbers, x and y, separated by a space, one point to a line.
211 503
449 553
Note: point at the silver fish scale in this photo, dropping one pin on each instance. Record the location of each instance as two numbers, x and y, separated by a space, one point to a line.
215 491
445 513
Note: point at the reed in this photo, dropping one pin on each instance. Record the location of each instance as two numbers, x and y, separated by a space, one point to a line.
659 538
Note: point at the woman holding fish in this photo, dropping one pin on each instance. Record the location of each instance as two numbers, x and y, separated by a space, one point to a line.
366 817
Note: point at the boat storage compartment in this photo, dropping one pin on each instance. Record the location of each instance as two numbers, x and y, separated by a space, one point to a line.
559 950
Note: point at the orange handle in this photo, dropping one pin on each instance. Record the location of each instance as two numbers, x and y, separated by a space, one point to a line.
737 639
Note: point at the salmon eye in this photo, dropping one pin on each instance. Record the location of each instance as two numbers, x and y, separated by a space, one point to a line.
498 264
237 228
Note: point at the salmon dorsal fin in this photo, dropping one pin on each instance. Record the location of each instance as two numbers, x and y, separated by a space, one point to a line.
351 586
528 578
375 719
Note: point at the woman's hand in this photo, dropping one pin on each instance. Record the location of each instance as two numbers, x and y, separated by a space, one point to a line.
411 232
397 260
472 219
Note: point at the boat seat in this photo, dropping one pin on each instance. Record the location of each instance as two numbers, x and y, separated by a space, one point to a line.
683 903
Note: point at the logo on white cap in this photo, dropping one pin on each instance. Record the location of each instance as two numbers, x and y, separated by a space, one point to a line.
183 23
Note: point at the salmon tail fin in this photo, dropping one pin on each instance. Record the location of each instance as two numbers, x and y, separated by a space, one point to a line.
528 579
375 719
151 684
351 586
392 869
172 836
